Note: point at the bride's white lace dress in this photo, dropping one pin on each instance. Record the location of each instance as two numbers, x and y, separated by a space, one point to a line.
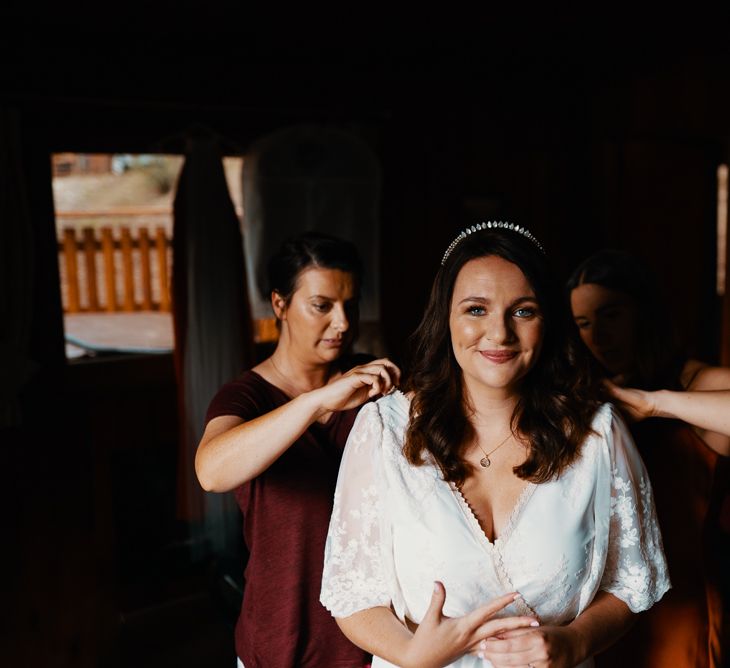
396 528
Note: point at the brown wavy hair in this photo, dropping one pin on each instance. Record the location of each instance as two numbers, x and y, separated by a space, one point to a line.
558 396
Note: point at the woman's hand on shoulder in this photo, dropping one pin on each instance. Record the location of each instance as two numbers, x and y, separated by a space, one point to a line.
440 640
357 385
704 404
634 404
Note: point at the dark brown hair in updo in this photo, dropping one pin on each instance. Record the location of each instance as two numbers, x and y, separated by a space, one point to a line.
311 249
558 396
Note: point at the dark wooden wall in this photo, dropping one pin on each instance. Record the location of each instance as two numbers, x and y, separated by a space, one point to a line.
587 141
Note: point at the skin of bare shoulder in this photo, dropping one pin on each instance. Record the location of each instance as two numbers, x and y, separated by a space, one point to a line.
706 377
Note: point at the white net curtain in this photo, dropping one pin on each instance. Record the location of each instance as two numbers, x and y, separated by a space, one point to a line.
311 178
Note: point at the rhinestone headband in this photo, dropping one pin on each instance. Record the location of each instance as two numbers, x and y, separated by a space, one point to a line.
490 225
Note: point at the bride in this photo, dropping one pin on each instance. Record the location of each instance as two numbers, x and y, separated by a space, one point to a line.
497 512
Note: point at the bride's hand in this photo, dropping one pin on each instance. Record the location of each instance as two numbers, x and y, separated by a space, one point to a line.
544 647
440 640
358 385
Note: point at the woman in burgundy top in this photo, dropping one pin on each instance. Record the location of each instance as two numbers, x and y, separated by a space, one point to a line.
275 437
680 408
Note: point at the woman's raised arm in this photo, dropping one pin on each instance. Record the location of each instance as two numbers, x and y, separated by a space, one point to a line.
704 405
233 451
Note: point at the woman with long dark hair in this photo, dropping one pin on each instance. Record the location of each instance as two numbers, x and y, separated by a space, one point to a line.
500 477
275 437
621 318
625 324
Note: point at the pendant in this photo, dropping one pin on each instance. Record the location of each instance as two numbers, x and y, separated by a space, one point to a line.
484 461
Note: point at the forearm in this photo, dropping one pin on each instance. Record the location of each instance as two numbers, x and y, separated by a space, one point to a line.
708 409
228 459
378 631
601 624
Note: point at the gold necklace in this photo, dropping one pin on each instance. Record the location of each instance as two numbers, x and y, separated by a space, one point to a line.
285 382
485 462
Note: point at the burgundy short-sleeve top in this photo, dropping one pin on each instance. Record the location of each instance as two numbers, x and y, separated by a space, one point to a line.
286 512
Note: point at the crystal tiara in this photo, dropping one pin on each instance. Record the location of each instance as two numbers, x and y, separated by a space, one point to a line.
490 225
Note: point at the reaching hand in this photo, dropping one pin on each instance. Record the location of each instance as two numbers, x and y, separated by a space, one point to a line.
546 647
440 640
636 405
358 385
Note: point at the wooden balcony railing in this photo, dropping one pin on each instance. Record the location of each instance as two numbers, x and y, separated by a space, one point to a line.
123 269
111 270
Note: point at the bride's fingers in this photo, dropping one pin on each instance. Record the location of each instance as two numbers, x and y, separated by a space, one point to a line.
479 616
436 606
507 627
514 633
518 650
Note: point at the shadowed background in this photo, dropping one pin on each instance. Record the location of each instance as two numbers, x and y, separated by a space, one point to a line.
588 132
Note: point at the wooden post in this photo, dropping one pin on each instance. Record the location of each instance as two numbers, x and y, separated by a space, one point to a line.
127 269
266 330
72 274
90 263
725 318
110 284
723 262
161 243
144 256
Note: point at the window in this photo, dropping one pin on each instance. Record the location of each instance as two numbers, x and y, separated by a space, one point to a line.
114 228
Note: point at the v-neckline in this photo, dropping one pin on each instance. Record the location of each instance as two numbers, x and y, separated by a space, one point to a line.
473 522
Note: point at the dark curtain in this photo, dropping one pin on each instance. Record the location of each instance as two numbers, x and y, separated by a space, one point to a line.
213 327
16 272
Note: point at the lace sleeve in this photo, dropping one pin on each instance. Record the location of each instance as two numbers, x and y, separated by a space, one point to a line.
354 570
636 569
